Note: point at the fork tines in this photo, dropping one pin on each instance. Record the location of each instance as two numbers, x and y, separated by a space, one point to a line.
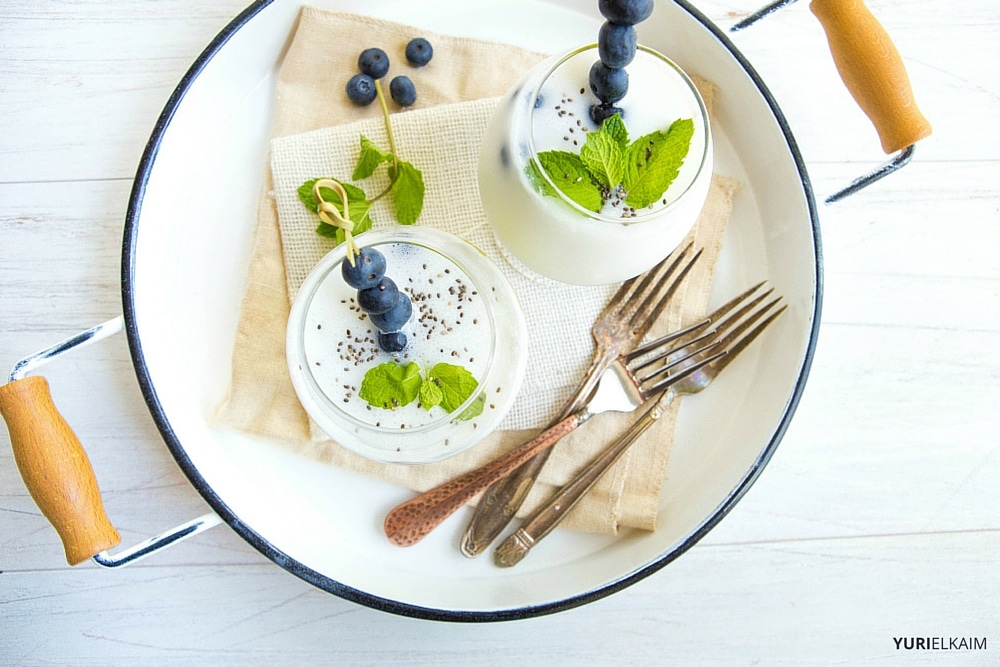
708 345
641 300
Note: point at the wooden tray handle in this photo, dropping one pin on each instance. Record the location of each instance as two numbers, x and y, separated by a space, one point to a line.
55 469
873 71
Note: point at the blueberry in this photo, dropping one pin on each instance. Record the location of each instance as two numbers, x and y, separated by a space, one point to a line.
626 12
368 269
419 52
608 84
616 44
396 317
402 90
373 62
394 341
380 298
361 89
601 112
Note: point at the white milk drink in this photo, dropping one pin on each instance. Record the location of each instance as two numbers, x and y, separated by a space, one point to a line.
450 324
549 109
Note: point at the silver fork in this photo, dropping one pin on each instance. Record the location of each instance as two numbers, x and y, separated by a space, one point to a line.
622 324
637 378
411 521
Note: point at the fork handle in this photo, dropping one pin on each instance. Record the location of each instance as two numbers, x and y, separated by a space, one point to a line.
545 518
504 498
410 522
500 504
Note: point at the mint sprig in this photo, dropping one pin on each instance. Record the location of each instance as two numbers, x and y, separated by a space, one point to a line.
357 204
406 185
609 168
393 385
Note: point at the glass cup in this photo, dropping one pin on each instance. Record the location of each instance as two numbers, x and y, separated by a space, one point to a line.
549 110
464 313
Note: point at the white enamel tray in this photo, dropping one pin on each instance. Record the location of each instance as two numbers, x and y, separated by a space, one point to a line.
187 243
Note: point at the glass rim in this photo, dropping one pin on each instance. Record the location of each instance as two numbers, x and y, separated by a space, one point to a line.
386 236
642 216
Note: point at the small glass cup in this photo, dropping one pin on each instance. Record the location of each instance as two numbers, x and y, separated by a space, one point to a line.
549 109
464 313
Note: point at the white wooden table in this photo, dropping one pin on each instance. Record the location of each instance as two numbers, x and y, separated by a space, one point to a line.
877 518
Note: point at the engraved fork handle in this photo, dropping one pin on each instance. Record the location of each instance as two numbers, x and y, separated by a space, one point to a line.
411 521
545 518
504 498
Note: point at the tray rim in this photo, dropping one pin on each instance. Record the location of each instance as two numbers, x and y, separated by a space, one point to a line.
326 583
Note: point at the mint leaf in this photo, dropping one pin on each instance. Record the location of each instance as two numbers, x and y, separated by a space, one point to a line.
474 410
457 384
637 155
537 180
357 205
354 194
615 128
430 395
602 155
653 161
370 158
333 232
571 176
407 192
391 385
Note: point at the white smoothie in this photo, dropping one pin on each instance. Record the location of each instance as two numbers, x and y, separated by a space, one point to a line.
465 314
550 110
450 324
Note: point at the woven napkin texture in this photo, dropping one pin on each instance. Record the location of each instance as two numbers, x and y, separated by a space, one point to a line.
316 133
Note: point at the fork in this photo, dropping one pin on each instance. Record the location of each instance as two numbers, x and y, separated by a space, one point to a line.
623 323
733 332
411 521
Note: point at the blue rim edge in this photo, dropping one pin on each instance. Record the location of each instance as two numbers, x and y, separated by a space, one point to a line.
330 585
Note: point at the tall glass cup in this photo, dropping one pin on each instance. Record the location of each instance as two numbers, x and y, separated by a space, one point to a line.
549 109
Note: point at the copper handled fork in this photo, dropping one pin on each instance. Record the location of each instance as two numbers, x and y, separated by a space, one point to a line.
622 324
411 521
736 325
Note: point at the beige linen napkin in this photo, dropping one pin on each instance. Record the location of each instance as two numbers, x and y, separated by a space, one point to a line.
310 96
